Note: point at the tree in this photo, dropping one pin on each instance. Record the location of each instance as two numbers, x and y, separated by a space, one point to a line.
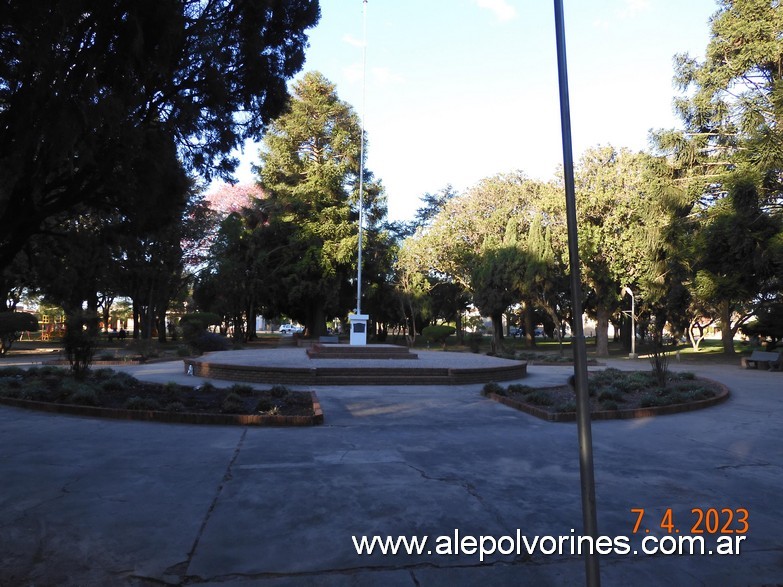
734 269
495 283
86 85
309 170
11 324
730 157
611 195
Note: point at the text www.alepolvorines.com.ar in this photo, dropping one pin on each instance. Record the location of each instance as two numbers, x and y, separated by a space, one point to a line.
570 544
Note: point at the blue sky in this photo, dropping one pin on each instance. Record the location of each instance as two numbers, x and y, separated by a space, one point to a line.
458 90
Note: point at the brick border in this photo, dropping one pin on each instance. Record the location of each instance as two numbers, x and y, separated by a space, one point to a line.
172 417
400 375
722 396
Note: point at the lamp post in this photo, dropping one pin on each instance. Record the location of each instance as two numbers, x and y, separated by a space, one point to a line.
632 355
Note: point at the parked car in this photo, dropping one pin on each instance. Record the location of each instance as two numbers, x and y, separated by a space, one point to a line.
516 332
289 329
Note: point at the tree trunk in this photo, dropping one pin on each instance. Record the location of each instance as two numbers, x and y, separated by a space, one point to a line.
601 331
726 332
316 320
497 332
530 327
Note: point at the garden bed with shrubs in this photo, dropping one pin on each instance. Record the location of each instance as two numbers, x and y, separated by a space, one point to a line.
614 394
108 393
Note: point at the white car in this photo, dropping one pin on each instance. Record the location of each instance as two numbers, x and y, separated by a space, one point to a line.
289 329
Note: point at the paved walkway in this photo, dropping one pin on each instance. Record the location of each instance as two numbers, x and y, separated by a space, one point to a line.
94 502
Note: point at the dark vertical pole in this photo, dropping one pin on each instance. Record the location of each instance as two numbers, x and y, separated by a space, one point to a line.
580 352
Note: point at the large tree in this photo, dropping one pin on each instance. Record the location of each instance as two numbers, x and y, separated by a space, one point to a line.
309 171
728 162
611 196
86 85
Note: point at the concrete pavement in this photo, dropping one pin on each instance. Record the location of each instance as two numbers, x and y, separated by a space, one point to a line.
95 502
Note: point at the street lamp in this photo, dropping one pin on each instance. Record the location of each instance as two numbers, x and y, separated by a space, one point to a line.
633 355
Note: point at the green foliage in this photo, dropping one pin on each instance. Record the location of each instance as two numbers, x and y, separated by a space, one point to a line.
520 389
86 396
208 342
175 406
80 345
493 387
279 391
125 82
539 398
119 380
309 170
241 389
565 407
233 404
438 333
12 371
610 394
13 323
199 321
141 403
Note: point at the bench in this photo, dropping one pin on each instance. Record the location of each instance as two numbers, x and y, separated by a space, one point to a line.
759 359
329 339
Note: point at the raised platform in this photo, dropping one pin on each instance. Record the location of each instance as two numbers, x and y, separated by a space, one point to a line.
363 352
294 367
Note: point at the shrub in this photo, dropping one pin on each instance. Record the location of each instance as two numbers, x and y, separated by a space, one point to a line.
699 394
195 324
119 380
85 396
493 387
521 389
609 405
278 391
610 393
241 389
264 406
207 342
12 372
145 348
79 346
207 386
565 407
685 376
233 404
102 374
474 341
539 398
141 403
438 333
175 407
12 323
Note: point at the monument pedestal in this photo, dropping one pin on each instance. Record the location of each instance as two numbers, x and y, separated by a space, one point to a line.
358 328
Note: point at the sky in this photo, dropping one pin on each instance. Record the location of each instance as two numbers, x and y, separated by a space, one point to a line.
459 90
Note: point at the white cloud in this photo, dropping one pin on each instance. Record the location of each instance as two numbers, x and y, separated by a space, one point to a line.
500 8
385 77
632 8
353 41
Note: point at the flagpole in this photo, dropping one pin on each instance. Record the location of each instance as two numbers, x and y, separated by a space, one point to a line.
361 160
584 431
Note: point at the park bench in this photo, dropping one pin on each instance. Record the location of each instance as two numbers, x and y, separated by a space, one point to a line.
762 359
